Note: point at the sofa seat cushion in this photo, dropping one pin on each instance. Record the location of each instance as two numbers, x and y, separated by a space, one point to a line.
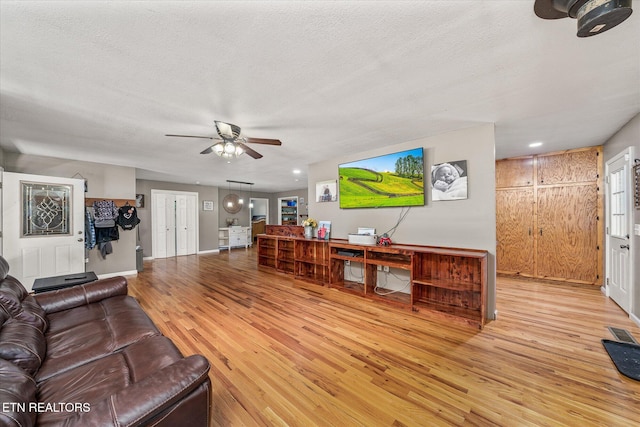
97 380
75 346
67 319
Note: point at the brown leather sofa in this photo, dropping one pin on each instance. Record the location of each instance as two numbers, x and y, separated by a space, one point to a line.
90 356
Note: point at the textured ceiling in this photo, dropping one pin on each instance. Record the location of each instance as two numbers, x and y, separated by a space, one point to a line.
104 81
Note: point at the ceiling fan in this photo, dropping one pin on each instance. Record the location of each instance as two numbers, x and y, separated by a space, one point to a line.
230 143
594 16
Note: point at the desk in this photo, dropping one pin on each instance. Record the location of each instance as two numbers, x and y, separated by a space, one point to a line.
60 282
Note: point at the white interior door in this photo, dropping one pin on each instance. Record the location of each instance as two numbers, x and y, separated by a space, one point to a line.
181 225
175 219
186 224
619 226
43 226
164 237
170 222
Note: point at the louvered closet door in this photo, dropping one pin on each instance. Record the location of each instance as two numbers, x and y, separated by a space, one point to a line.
514 230
567 232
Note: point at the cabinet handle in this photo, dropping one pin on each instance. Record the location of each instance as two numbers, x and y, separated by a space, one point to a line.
624 246
529 231
541 231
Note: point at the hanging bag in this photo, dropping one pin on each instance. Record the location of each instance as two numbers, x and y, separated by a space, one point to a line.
127 217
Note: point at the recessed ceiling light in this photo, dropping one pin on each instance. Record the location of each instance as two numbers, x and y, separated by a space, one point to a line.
297 171
535 144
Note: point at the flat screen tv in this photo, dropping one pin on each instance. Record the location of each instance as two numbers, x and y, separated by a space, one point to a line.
395 179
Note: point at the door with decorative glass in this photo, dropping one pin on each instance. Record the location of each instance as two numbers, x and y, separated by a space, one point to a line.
43 226
619 226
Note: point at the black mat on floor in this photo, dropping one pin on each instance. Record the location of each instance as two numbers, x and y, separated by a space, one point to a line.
625 356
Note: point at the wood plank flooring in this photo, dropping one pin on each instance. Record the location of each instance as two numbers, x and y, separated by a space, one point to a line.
288 353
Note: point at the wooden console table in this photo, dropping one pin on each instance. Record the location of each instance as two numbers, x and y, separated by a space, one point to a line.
449 282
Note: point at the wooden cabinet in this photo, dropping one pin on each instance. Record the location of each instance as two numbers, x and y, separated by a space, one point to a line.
549 214
516 172
567 233
515 230
444 281
312 260
267 252
451 282
234 237
306 259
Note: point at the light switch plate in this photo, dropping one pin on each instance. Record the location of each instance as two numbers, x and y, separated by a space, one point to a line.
636 229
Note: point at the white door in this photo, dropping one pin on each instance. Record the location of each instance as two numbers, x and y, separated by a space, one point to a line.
185 224
164 233
43 226
619 226
175 219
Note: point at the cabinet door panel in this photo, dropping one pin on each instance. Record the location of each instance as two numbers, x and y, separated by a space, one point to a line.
514 213
567 232
574 166
514 172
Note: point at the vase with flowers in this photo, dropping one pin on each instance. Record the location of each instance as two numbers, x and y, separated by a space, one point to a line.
309 224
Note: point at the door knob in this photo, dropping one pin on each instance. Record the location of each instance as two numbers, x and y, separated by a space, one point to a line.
624 246
80 240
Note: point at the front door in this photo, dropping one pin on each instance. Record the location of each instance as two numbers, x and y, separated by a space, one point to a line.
43 226
618 195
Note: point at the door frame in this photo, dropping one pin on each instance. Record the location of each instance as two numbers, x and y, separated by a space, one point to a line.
628 154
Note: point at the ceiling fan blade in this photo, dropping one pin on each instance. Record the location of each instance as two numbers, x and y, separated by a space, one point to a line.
189 136
207 150
263 141
249 151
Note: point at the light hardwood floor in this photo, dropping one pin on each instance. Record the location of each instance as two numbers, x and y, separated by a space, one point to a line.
286 352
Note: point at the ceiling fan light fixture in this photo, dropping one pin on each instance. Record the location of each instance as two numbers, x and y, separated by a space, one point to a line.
218 148
229 148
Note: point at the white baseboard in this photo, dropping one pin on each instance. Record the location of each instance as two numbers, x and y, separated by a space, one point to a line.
120 273
210 251
635 319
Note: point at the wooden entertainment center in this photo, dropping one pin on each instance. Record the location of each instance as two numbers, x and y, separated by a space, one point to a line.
444 281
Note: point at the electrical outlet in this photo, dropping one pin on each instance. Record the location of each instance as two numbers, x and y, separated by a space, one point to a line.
347 262
379 268
386 268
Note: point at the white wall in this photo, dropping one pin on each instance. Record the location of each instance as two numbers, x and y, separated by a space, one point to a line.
469 223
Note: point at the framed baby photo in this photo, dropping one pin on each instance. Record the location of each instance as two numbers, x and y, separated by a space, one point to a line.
449 181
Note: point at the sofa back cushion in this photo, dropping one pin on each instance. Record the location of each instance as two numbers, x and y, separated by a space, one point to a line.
17 393
22 344
17 303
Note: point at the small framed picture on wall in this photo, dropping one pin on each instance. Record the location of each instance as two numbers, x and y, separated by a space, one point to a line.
327 191
207 205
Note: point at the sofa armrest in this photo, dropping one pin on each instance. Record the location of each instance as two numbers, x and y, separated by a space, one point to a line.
141 401
76 296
